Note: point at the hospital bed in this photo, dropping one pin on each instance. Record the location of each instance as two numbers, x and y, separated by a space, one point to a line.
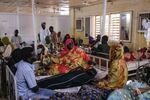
134 67
101 66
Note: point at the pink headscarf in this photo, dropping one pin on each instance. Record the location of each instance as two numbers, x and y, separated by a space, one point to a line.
65 50
68 41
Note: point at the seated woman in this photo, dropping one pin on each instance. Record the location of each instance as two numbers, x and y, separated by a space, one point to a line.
117 72
67 36
8 49
70 58
116 78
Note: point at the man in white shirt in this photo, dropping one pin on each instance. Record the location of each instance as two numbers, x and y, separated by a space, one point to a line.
43 33
16 39
25 78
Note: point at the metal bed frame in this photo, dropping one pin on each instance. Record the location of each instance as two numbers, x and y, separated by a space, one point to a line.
101 63
11 85
138 70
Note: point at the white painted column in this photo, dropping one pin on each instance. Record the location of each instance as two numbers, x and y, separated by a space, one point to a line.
18 23
34 25
104 7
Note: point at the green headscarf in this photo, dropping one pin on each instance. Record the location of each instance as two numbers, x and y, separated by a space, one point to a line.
5 41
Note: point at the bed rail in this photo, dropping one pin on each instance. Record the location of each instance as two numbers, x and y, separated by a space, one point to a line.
101 63
11 85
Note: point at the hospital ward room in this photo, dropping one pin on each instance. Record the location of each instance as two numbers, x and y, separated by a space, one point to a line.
74 49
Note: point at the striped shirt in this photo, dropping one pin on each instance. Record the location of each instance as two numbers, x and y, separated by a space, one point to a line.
25 78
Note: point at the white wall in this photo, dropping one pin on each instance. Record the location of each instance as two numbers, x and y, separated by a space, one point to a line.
136 6
9 24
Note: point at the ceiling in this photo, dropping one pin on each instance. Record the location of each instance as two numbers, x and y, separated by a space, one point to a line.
47 6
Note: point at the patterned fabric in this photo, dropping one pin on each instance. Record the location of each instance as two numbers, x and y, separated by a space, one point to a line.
120 94
90 92
127 93
70 59
118 72
137 55
87 92
136 84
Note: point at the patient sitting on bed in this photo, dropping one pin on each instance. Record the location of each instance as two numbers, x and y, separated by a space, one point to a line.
70 58
25 78
117 72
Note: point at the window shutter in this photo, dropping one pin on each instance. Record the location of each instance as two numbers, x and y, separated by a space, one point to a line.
114 27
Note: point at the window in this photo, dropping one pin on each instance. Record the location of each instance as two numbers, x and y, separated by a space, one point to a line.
114 27
107 25
117 26
97 25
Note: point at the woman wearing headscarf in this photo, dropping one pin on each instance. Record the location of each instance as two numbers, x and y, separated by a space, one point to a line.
70 58
8 47
117 71
116 78
67 36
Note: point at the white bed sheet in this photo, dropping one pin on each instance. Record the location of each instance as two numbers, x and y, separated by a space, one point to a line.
100 73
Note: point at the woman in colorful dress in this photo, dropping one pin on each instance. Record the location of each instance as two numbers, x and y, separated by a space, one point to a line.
70 58
116 78
117 72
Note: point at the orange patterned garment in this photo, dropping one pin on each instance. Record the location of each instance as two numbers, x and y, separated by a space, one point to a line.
117 72
70 59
